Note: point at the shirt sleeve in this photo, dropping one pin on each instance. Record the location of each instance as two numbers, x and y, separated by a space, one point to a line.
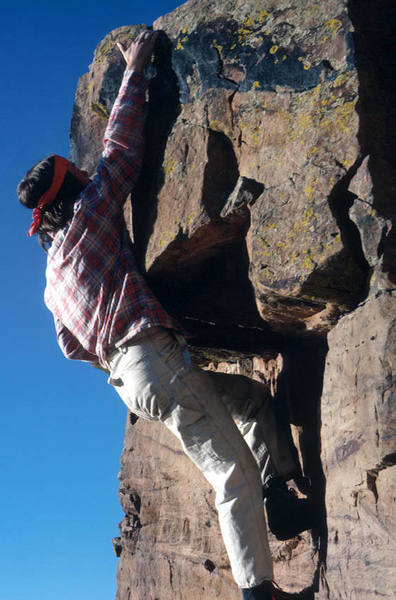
122 157
70 346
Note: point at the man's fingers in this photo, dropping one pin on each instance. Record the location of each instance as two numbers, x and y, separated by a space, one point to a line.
121 48
139 51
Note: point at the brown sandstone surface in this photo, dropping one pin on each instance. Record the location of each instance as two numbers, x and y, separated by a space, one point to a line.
358 440
263 218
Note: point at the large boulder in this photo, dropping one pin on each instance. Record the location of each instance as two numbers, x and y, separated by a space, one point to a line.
263 219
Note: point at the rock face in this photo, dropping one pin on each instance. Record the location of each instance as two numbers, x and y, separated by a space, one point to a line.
358 436
264 221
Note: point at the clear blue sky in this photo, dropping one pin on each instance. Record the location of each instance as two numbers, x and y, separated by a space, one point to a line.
62 425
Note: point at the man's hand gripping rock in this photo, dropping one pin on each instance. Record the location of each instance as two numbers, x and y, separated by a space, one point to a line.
140 50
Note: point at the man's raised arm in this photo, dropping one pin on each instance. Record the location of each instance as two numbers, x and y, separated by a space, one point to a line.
123 152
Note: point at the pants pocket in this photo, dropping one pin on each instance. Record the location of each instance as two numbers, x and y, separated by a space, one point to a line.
148 399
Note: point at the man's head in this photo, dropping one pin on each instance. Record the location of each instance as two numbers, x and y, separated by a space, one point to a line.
51 188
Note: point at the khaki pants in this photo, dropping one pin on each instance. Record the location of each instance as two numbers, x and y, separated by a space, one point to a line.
154 378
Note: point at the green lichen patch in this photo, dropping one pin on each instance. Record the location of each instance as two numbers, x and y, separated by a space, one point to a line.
122 34
101 110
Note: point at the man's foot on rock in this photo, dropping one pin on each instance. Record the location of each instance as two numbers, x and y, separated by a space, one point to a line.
264 591
287 514
303 484
267 591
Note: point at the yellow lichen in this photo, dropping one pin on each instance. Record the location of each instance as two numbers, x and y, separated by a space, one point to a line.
274 49
100 109
248 22
308 263
303 122
169 167
340 80
347 163
262 15
191 218
104 48
215 125
334 25
316 90
242 34
247 27
109 44
180 42
218 47
166 237
309 192
343 115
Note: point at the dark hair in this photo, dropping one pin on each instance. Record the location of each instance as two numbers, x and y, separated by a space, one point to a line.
55 216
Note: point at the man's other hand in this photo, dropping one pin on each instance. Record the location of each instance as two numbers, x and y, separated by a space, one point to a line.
139 52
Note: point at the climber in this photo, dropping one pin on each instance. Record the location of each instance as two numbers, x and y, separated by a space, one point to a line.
106 315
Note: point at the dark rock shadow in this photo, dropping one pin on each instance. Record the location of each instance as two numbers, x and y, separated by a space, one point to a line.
221 173
375 60
212 296
203 279
163 109
299 394
344 278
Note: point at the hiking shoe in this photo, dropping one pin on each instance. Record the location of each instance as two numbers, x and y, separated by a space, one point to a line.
264 591
268 590
288 515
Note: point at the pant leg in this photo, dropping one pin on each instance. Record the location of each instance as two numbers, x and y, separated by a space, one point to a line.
255 413
211 439
154 379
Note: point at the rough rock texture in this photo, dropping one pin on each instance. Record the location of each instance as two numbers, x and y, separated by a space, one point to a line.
358 437
171 542
264 220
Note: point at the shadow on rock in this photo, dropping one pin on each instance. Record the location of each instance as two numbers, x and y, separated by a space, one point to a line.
299 394
163 109
375 52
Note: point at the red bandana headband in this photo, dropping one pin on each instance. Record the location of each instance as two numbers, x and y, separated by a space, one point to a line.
60 168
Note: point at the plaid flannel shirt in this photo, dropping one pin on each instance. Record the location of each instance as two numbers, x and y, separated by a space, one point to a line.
98 298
